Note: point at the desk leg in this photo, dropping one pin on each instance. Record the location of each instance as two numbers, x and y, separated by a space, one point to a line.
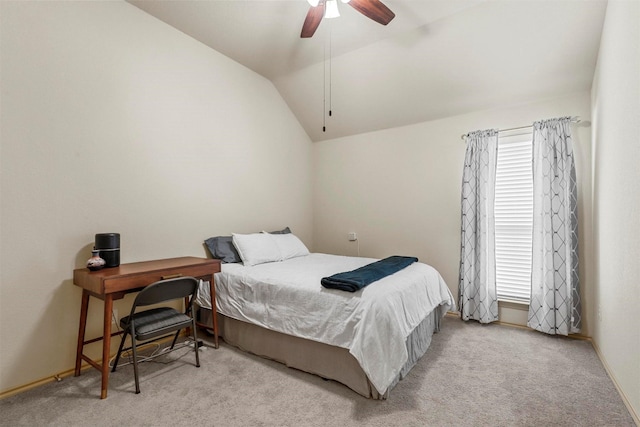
106 344
214 311
84 308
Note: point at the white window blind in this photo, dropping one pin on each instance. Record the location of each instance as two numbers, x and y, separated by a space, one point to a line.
514 218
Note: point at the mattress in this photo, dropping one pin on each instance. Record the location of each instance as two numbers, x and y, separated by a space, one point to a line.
373 324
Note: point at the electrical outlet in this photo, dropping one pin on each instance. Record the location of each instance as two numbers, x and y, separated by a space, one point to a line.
352 236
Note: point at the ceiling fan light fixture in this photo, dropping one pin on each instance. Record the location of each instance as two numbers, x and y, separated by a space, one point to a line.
331 9
372 9
313 3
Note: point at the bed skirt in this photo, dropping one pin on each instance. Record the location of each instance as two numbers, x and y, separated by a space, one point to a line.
326 361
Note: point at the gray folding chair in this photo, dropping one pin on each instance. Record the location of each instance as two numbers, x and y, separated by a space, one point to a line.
156 323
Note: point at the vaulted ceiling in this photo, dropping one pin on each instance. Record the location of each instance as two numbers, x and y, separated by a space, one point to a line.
437 58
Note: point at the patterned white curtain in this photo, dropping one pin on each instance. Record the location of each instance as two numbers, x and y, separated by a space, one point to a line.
555 291
478 299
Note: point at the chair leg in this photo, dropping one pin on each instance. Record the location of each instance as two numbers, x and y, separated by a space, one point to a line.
135 360
115 363
195 342
175 339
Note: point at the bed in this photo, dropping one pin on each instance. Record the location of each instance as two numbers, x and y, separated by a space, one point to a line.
367 340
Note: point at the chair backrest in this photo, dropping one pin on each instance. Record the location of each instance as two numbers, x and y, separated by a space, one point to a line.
166 290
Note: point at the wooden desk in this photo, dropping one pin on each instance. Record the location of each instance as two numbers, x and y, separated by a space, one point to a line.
111 284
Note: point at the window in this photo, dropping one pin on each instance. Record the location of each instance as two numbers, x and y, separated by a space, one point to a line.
514 218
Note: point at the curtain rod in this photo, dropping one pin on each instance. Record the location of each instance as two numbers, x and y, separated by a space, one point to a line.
574 119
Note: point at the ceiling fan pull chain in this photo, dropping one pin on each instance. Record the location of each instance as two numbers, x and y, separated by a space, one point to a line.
324 88
330 66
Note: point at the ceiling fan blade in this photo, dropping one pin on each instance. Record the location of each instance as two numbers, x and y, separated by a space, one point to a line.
312 21
373 9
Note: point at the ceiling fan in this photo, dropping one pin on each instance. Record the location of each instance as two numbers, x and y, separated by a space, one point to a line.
373 9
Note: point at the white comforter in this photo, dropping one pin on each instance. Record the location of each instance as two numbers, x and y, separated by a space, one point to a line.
372 323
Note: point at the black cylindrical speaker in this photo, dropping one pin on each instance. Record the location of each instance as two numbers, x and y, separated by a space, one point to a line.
109 246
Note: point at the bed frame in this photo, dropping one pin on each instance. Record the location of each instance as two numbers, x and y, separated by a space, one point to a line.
326 361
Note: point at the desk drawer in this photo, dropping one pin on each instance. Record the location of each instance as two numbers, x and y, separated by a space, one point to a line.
141 280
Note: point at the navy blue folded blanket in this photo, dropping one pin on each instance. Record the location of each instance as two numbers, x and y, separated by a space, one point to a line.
357 279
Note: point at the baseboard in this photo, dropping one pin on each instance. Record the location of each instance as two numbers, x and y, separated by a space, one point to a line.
517 325
625 400
56 377
61 375
572 336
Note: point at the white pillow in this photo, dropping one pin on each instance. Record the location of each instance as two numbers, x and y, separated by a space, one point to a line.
256 248
289 245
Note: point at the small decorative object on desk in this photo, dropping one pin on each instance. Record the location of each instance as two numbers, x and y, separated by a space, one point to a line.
95 262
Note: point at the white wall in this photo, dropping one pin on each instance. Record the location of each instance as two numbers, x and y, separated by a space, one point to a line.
399 189
112 121
616 209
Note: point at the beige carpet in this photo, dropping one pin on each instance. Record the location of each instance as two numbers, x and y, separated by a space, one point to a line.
472 375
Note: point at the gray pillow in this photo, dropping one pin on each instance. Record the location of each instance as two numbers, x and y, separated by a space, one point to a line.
285 230
221 247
